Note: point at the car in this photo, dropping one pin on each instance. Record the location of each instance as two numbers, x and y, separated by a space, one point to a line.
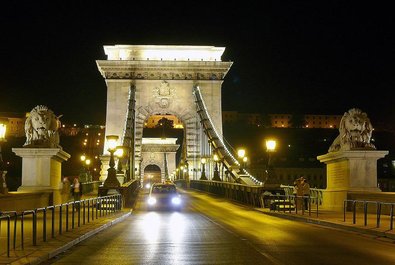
164 196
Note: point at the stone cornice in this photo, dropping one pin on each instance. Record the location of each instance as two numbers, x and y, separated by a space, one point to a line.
163 70
160 148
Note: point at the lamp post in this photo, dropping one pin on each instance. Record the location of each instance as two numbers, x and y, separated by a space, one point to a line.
203 175
216 172
119 152
245 162
241 154
3 184
111 180
270 148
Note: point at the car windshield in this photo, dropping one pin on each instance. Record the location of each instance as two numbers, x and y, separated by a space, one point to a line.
164 189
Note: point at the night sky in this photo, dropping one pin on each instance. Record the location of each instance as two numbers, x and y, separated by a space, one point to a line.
311 57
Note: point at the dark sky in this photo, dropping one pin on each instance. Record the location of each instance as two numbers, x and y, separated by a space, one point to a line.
312 57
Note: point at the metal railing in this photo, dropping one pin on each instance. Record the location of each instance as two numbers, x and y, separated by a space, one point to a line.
315 194
292 203
354 205
62 218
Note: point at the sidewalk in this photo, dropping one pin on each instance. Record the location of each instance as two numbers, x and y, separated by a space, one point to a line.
54 246
336 220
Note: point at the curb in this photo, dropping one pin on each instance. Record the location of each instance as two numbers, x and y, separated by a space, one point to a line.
31 259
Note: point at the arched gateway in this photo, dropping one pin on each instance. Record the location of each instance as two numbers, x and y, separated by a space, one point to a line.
145 80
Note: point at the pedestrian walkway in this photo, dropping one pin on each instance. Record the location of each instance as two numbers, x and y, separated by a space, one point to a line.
336 220
44 251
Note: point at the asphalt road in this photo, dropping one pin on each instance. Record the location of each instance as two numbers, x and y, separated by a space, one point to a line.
214 231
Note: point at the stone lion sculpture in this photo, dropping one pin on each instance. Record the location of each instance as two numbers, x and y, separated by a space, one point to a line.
41 128
355 132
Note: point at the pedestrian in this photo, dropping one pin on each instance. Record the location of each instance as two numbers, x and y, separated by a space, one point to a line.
306 192
76 189
298 193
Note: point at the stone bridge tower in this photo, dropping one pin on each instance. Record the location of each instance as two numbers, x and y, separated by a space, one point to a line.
145 80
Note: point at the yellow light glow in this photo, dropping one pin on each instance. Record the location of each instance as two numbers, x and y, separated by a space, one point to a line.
270 145
244 159
82 157
3 129
112 141
203 160
119 152
216 157
241 153
88 162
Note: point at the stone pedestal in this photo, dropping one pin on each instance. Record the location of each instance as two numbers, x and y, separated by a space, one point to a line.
41 170
349 171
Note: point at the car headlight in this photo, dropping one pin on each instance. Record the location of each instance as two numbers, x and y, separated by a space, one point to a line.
151 201
176 200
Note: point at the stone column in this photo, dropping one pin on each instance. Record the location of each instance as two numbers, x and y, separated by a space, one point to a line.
348 171
41 170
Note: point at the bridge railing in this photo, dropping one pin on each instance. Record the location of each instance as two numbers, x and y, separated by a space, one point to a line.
245 194
34 225
357 208
315 194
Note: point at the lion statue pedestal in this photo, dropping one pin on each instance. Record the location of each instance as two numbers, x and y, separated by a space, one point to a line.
351 162
42 156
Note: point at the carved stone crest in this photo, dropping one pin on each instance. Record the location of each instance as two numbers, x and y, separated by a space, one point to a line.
163 94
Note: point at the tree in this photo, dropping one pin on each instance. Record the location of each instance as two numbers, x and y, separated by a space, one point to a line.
297 121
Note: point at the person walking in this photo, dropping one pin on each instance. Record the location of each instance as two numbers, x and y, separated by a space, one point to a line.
76 189
298 193
306 192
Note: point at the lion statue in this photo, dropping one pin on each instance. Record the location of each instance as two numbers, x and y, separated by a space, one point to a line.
41 128
355 132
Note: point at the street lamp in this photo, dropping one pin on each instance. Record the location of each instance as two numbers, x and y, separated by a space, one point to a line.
203 176
111 180
270 148
3 184
119 152
245 162
216 172
241 154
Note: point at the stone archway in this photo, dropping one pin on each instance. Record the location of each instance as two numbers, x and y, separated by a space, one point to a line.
155 79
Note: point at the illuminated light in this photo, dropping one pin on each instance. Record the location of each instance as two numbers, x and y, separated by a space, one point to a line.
216 157
74 125
88 162
203 160
289 145
119 152
3 129
112 141
148 185
96 157
99 134
97 143
86 140
63 125
98 140
84 143
176 201
94 169
271 145
87 134
152 201
245 159
241 153
83 157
